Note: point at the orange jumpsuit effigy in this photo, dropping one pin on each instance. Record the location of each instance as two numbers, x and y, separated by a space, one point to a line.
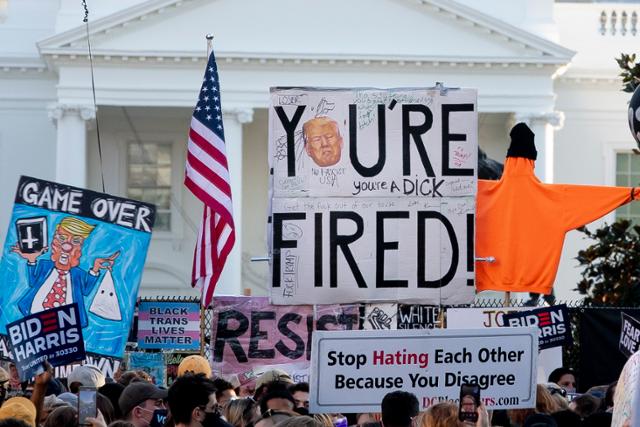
522 222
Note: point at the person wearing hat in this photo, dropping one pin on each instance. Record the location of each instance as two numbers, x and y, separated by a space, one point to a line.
139 400
269 377
19 408
194 364
85 376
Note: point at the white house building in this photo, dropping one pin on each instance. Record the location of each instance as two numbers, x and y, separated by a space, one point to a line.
550 64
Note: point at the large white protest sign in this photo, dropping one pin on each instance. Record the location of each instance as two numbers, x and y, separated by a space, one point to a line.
626 401
351 371
373 195
353 250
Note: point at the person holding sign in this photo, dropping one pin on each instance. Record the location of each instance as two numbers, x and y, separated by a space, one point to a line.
59 281
322 141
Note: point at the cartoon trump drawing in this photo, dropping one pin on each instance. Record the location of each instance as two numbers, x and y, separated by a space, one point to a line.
60 280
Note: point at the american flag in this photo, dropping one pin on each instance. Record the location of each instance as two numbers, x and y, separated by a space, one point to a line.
207 176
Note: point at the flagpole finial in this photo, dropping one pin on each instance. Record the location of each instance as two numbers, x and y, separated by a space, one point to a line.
209 38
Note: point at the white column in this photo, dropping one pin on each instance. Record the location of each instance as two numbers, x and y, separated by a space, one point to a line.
543 126
71 144
231 280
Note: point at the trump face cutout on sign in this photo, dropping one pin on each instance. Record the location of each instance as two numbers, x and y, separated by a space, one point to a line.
322 141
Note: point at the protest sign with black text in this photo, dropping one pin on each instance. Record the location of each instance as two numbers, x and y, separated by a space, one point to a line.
373 195
351 371
629 335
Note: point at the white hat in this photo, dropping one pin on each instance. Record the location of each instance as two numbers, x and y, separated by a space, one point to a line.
87 376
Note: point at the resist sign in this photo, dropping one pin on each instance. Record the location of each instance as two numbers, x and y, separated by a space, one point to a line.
353 370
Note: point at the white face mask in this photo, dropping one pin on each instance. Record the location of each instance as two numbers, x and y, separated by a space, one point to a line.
146 411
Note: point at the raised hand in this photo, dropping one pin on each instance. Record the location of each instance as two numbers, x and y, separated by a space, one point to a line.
30 257
105 263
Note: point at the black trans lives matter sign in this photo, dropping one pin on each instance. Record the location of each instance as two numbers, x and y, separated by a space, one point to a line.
53 335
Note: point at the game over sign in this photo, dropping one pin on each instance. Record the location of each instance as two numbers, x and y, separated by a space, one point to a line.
68 245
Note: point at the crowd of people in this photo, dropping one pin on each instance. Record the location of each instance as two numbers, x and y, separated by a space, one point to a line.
195 399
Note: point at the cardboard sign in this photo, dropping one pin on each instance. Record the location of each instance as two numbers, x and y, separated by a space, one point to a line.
249 333
351 371
107 365
93 255
629 335
552 322
464 318
380 316
373 195
169 325
172 361
351 250
373 142
53 335
151 363
418 316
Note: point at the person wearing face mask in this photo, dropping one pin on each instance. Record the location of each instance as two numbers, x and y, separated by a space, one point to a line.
193 403
142 402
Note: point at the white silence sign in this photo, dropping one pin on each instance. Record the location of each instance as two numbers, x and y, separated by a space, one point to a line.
351 371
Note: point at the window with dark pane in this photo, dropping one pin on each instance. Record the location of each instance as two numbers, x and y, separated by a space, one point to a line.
628 175
149 178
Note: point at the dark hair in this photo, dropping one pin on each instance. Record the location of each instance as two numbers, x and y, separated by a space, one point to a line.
557 373
586 405
398 408
608 396
129 377
278 393
221 385
567 418
599 419
187 393
113 391
299 387
105 407
267 387
13 422
55 386
64 416
540 420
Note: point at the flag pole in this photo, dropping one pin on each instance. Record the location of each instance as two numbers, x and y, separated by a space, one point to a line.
209 38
